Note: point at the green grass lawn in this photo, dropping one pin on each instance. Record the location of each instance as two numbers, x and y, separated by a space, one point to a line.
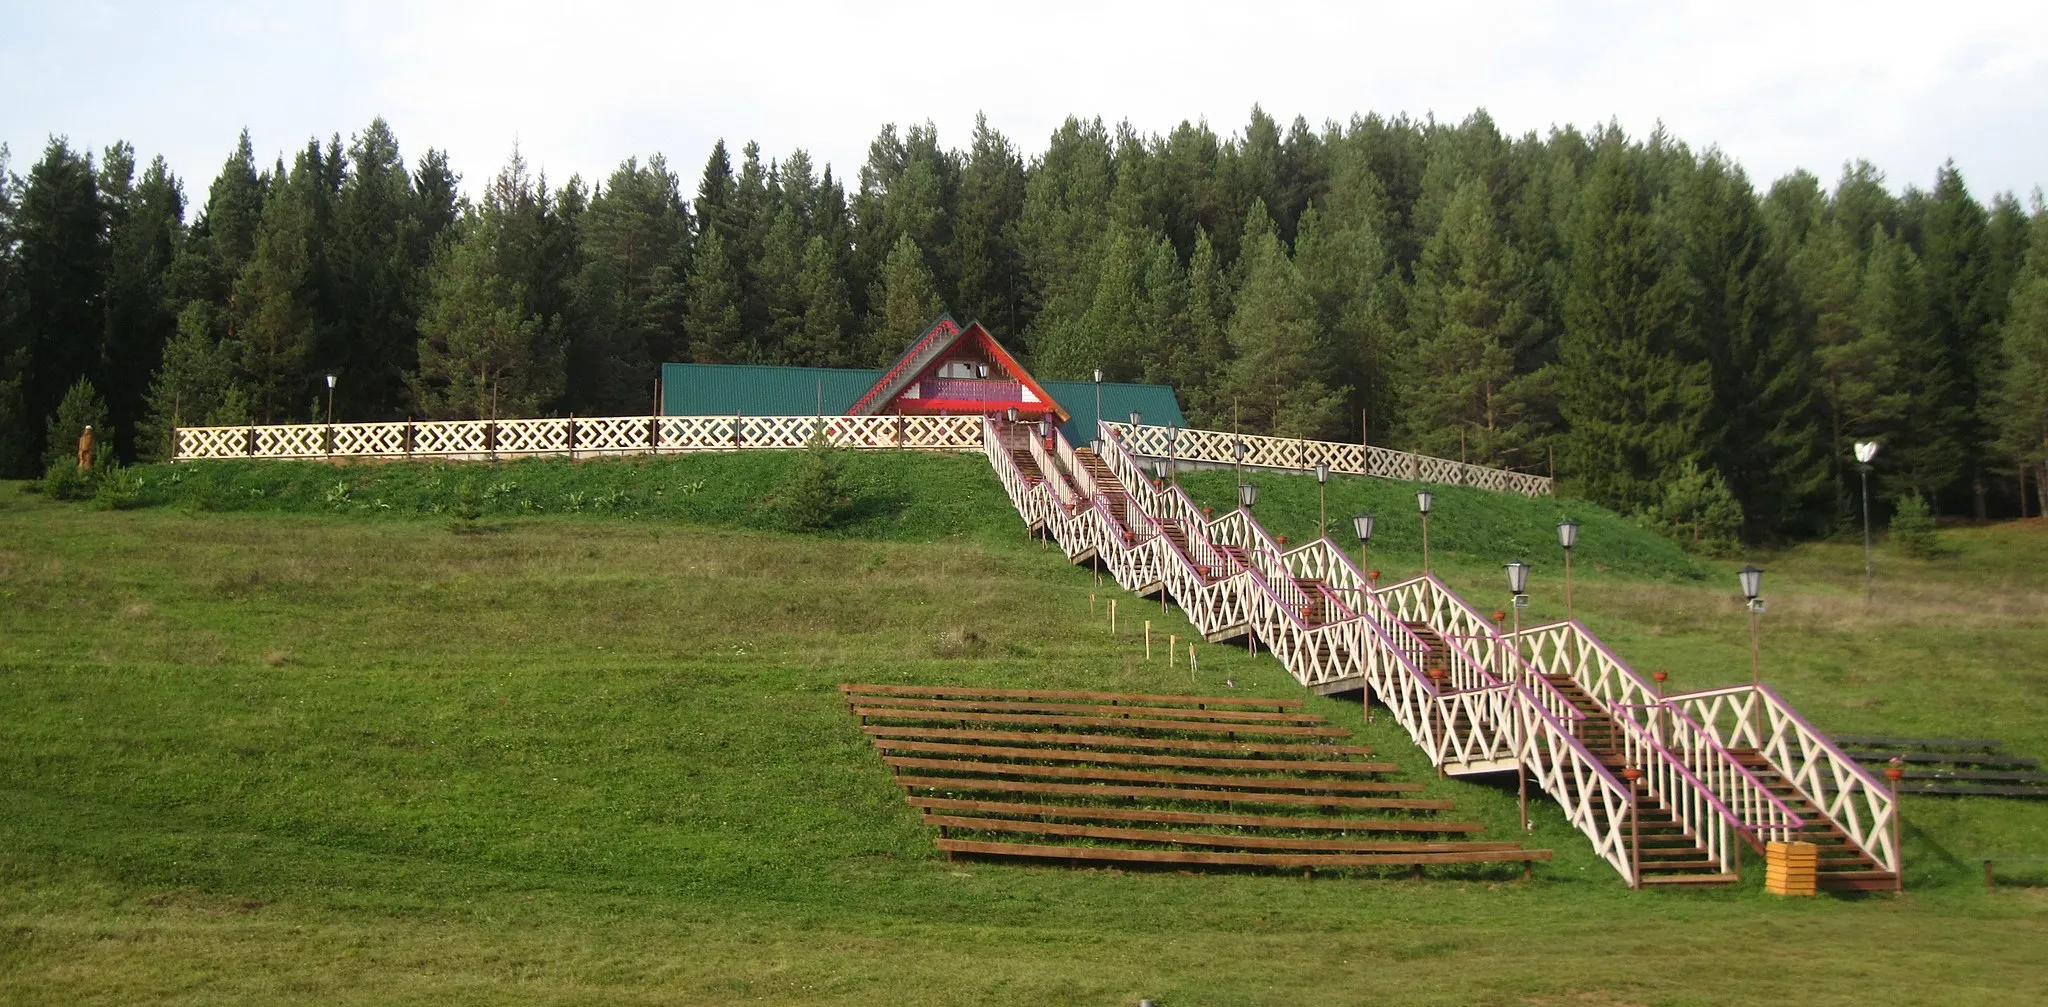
334 753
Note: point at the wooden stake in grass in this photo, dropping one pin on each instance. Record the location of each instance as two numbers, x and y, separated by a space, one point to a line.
1091 604
1148 639
1172 644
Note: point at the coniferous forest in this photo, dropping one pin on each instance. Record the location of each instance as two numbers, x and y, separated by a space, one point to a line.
1632 313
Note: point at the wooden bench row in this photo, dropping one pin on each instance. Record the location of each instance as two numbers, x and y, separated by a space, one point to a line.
1148 776
1096 813
1109 697
1878 759
1092 710
947 823
1130 758
1313 749
1309 861
1192 727
1933 744
972 784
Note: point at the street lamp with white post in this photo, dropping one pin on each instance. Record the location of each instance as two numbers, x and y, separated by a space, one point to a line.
330 414
1568 536
1865 452
1752 581
1423 500
1322 500
1518 587
1361 523
1098 396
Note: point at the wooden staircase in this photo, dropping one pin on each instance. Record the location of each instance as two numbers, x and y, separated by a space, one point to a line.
1842 866
1667 853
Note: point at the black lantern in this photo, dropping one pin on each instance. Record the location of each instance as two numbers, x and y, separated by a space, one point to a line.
1423 499
1134 421
1247 495
1010 414
1568 533
1361 523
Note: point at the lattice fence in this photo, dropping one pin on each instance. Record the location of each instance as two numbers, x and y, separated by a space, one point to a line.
575 437
1220 447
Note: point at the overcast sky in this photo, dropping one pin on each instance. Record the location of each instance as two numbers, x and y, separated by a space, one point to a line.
579 86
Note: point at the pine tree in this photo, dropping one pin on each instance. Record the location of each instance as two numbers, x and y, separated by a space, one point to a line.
909 304
1768 443
145 230
1635 406
1059 236
1199 367
478 346
2020 406
194 384
991 199
1954 256
374 341
713 301
1856 364
1893 310
79 408
276 294
1276 376
1466 315
58 295
632 298
779 280
826 336
1341 249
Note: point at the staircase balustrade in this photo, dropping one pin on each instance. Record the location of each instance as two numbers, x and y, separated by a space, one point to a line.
1756 717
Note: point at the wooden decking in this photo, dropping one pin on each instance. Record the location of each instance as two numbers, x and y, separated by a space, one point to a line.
1130 778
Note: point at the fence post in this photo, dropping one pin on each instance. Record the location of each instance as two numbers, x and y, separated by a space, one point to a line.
654 435
572 437
249 444
737 419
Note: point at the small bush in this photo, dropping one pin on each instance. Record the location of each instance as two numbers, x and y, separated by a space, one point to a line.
1912 529
118 489
1698 512
63 480
815 497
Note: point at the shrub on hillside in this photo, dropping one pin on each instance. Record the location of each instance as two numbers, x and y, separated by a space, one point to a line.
814 498
1912 528
64 481
1698 512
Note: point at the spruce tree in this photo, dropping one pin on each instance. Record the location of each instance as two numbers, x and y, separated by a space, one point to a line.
1954 256
276 296
1893 310
1635 405
1466 317
779 280
1198 368
632 292
194 383
909 304
826 336
58 295
1059 236
478 345
1276 379
144 235
984 255
373 343
2020 405
712 297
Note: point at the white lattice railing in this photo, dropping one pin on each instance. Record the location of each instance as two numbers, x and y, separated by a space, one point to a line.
1220 447
574 437
1496 706
1755 717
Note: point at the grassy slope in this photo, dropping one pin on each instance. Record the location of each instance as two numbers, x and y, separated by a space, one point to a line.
252 757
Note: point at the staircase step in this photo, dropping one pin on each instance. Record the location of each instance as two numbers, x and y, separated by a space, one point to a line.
1692 879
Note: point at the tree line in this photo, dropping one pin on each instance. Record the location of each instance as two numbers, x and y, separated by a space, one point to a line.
1627 311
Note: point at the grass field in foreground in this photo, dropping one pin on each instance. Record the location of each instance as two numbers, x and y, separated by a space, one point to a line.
252 758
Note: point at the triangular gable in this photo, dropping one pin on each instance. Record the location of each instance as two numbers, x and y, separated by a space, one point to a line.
928 350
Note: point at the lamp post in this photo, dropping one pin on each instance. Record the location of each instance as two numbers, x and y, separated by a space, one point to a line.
1247 495
1173 453
1567 536
1752 580
1010 415
1361 523
1423 500
1322 499
1135 417
1865 452
1098 397
1518 587
330 414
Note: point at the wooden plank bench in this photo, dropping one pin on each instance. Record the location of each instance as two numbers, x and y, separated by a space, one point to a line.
1144 776
1130 758
1195 727
1108 697
1106 712
1957 758
1286 860
971 784
1933 744
1091 813
945 823
1117 741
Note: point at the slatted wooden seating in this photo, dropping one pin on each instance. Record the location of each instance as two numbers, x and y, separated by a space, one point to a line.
1116 741
1148 778
1957 767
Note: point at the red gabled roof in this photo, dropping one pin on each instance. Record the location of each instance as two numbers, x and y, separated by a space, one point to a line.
928 349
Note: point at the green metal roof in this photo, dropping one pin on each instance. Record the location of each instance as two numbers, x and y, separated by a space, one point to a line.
1155 405
760 390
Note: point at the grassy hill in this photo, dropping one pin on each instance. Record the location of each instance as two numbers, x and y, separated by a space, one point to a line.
317 750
